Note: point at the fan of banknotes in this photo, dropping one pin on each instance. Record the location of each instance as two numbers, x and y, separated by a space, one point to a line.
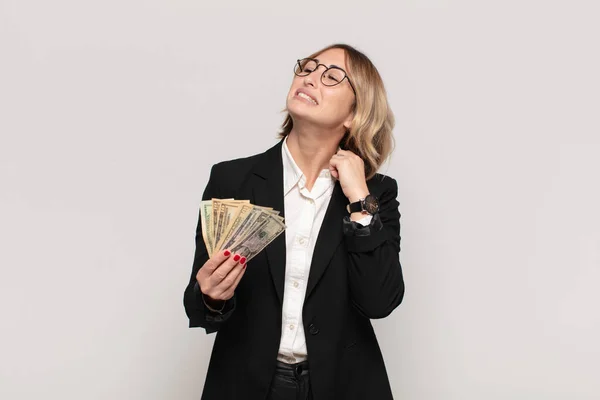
239 226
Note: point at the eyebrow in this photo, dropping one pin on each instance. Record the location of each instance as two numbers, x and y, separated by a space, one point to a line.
331 65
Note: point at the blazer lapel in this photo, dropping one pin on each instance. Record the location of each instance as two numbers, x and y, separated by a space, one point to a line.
329 237
268 192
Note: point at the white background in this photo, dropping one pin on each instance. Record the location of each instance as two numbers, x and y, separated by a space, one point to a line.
112 112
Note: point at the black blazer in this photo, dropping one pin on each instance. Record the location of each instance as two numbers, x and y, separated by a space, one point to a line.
352 279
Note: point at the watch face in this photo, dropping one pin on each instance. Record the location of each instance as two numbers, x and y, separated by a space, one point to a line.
371 204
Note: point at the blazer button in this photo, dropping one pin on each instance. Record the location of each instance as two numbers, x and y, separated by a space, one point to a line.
313 329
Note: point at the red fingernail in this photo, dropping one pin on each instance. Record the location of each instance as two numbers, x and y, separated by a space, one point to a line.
227 253
243 260
244 266
236 257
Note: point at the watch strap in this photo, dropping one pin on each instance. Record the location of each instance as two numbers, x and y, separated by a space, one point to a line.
357 206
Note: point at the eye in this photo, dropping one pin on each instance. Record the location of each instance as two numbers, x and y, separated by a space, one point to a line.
332 77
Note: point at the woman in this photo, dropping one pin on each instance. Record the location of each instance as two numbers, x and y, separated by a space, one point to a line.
296 323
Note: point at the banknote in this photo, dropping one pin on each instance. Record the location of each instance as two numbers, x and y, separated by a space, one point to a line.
257 240
238 217
206 217
261 218
227 215
219 214
216 215
243 227
238 224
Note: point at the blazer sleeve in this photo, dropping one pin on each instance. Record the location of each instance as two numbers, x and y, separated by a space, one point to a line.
375 274
195 308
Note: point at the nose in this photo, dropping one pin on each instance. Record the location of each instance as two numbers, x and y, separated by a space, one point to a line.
309 80
314 77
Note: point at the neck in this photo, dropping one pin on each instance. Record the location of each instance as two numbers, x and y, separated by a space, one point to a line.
312 149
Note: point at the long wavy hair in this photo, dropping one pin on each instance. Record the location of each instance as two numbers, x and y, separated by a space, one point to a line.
370 134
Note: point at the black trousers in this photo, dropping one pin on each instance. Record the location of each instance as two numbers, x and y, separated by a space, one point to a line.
291 382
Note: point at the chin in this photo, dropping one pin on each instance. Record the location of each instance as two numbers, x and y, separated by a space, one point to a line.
298 110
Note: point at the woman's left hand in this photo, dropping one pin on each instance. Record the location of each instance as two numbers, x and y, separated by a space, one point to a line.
349 169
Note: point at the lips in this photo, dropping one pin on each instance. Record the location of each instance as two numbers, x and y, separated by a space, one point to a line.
306 96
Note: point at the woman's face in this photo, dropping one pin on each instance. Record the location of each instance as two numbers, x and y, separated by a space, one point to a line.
332 105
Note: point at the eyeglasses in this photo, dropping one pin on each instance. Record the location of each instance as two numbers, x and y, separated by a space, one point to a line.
332 76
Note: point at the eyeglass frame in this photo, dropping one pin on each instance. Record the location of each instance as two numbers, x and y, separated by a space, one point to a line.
323 74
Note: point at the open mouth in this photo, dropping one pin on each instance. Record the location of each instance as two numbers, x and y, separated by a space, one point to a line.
306 97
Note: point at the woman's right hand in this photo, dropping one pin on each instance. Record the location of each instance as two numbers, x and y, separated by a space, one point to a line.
220 275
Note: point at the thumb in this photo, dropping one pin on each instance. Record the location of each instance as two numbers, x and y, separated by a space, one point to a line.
216 260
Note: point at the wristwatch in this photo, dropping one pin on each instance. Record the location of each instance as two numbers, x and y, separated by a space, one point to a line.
369 205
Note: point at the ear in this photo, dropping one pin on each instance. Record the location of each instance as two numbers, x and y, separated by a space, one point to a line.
348 121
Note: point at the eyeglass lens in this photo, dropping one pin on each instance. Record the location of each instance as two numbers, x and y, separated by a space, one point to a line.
331 77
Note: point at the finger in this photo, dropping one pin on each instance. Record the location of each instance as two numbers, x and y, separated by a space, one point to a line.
334 172
217 259
224 269
233 279
231 291
334 161
204 273
348 155
338 163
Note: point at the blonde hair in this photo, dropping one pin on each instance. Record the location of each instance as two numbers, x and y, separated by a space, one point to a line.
370 134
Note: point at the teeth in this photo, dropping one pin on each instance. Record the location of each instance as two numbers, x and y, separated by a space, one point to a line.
304 96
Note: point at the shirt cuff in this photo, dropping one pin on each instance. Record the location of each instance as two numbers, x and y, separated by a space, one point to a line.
199 293
364 221
355 228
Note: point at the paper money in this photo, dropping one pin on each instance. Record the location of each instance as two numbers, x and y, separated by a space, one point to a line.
237 219
243 228
239 226
206 217
218 215
257 240
228 210
261 218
